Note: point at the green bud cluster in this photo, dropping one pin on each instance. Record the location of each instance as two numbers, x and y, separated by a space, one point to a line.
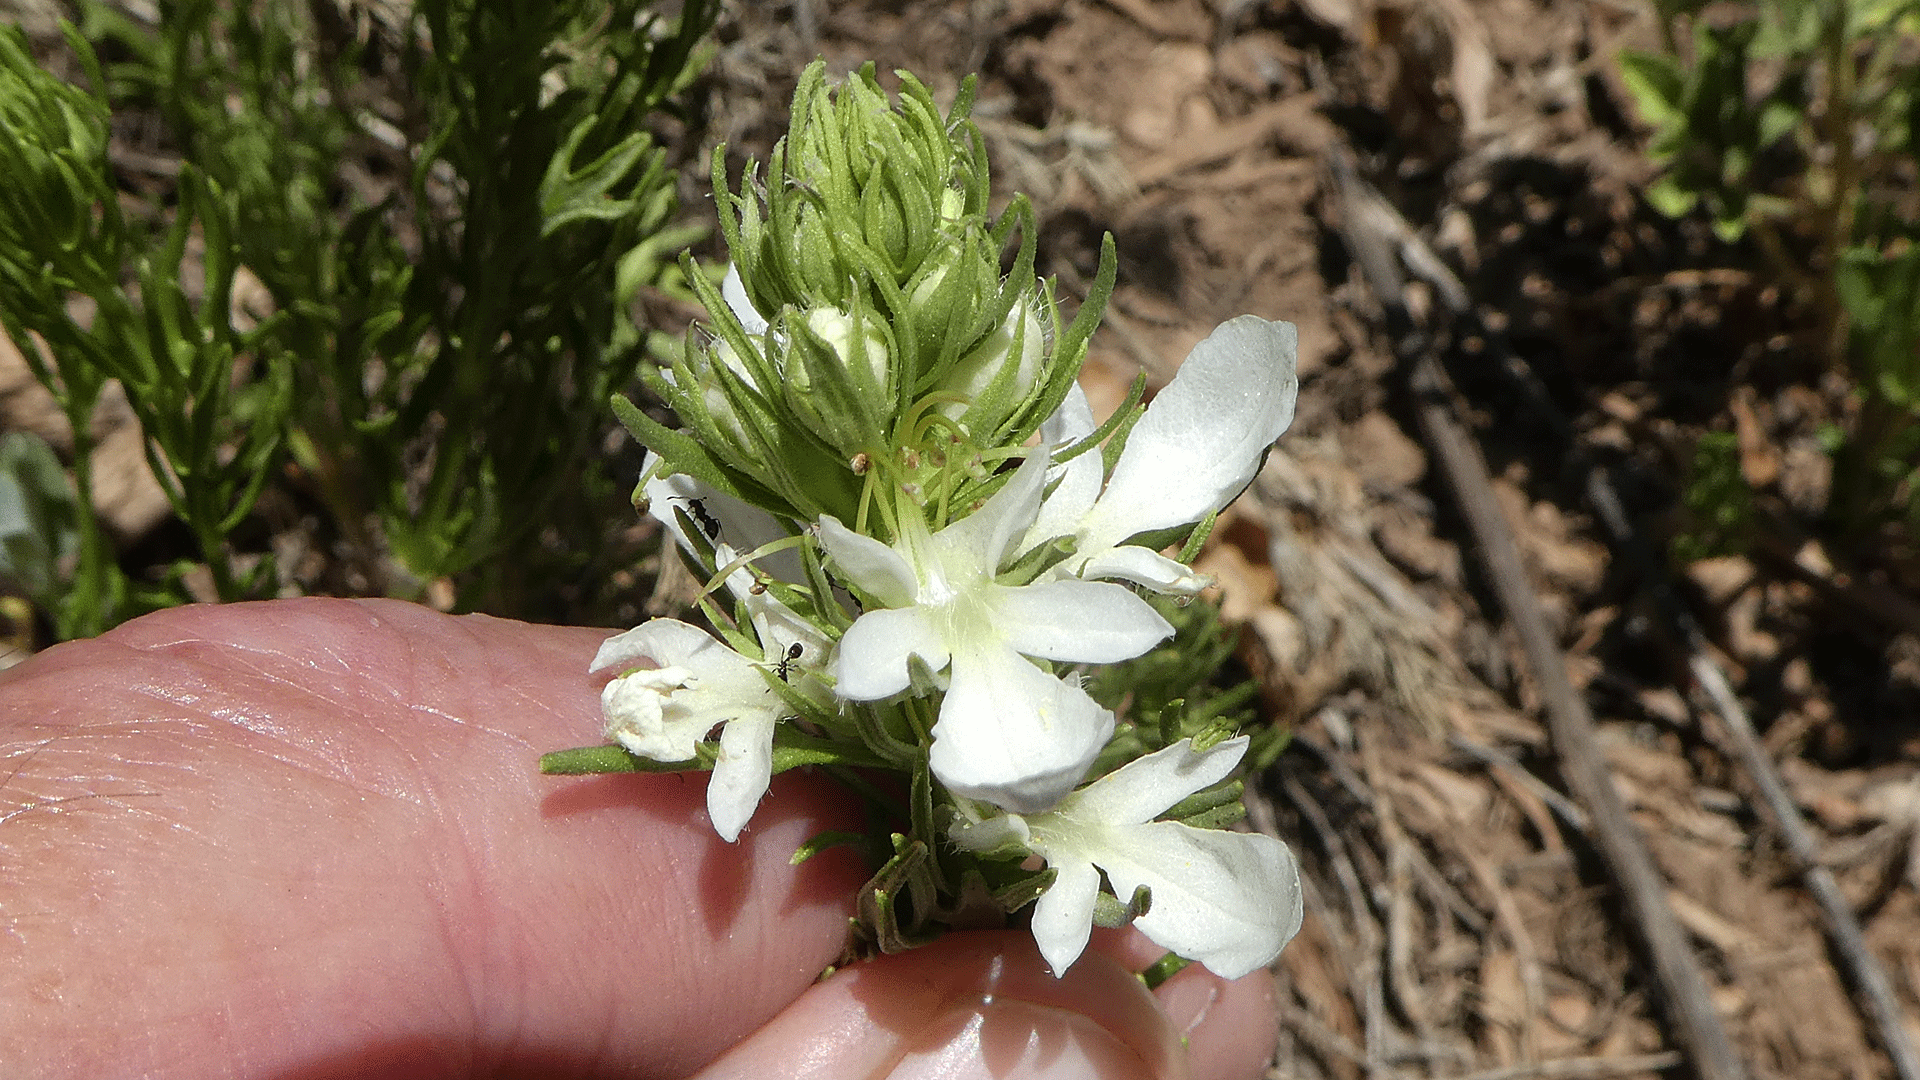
897 358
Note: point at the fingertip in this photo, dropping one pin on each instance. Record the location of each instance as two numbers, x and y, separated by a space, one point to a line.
970 1005
1230 1026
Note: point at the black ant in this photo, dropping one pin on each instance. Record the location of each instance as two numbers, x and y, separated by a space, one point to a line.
785 667
708 523
834 582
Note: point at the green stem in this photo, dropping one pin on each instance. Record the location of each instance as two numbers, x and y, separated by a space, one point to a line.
1854 484
91 607
1837 215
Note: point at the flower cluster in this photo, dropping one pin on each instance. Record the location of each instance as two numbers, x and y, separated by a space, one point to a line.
913 532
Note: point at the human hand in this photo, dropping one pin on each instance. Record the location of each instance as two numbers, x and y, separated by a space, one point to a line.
307 839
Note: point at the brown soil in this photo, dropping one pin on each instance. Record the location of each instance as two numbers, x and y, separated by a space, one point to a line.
1459 921
1459 924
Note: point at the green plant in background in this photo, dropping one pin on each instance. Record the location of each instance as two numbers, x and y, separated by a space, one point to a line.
1719 502
38 530
1797 124
54 242
440 340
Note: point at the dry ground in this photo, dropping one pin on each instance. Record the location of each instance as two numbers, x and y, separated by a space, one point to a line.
1460 924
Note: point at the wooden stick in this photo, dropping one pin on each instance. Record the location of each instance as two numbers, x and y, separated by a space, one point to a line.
1843 926
1585 1068
1683 988
1571 726
1862 968
1858 963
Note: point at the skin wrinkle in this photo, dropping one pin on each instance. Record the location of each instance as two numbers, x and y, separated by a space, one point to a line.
461 721
22 756
320 754
196 653
125 810
485 964
105 746
115 751
467 922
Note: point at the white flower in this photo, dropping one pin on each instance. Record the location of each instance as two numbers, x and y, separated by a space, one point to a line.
723 518
1228 900
1195 449
1008 732
663 713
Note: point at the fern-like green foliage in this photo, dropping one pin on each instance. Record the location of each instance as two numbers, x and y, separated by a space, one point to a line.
451 217
1183 689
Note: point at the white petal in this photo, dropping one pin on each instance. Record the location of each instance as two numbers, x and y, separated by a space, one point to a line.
1071 422
664 641
779 627
1201 439
869 564
1063 916
1075 484
976 543
639 718
872 659
1228 900
1013 735
741 772
734 291
998 831
1131 562
1088 622
741 525
1146 787
1062 511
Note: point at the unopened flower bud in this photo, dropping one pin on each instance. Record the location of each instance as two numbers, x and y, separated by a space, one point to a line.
838 378
1001 373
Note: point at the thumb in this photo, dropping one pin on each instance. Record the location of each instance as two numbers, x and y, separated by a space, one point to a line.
984 1005
309 838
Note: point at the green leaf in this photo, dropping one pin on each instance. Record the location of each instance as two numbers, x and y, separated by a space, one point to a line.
1657 84
1777 118
38 517
1163 969
1667 196
569 194
825 841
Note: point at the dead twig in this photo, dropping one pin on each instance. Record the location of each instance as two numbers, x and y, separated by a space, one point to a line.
1843 926
1503 767
1293 121
1585 1068
1401 979
1330 1043
1859 964
1684 989
1362 949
